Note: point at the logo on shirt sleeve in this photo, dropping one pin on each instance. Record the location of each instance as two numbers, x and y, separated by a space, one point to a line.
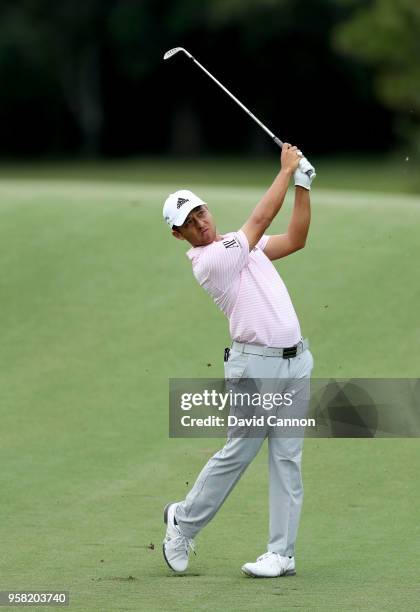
230 244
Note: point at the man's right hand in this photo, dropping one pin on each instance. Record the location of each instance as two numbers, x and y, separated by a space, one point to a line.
290 157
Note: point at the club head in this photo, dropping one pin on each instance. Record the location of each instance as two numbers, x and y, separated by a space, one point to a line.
175 50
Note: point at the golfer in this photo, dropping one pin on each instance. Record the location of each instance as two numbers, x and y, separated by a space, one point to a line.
236 270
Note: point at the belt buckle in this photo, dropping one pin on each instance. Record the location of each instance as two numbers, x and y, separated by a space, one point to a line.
289 352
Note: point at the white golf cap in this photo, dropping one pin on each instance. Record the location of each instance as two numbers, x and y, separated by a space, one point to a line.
178 205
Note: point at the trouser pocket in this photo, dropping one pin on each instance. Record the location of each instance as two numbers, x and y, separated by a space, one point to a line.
235 366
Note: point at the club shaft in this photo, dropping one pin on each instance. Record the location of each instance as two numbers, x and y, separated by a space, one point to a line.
303 164
239 103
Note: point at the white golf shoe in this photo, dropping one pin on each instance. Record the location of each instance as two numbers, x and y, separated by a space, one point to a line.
176 546
270 565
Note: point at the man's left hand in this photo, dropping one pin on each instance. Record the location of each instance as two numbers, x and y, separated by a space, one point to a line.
300 176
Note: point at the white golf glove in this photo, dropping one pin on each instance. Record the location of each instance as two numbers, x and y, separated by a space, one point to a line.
300 176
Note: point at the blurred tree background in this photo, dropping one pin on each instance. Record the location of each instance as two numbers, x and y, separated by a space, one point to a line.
87 77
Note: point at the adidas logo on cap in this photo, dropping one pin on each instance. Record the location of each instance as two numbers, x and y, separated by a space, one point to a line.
181 201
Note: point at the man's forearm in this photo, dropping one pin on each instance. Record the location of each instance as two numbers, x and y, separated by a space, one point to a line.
301 217
271 202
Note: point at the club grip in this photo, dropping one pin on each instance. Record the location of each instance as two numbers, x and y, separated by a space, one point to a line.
303 162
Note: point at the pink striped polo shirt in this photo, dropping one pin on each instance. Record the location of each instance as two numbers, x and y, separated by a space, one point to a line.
248 289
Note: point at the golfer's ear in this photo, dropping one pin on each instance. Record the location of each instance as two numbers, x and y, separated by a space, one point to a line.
177 234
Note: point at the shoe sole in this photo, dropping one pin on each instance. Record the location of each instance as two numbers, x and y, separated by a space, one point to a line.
287 573
165 520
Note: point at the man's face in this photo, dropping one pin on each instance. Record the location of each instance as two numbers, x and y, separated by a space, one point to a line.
198 228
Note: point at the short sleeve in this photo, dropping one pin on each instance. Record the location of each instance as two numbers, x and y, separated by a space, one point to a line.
224 260
262 242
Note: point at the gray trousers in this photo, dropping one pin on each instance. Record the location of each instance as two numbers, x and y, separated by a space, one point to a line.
224 469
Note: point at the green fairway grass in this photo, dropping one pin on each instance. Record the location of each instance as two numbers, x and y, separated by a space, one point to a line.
99 309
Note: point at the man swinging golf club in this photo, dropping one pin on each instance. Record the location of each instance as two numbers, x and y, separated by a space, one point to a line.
236 270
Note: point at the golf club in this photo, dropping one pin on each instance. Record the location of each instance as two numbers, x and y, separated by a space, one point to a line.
175 50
